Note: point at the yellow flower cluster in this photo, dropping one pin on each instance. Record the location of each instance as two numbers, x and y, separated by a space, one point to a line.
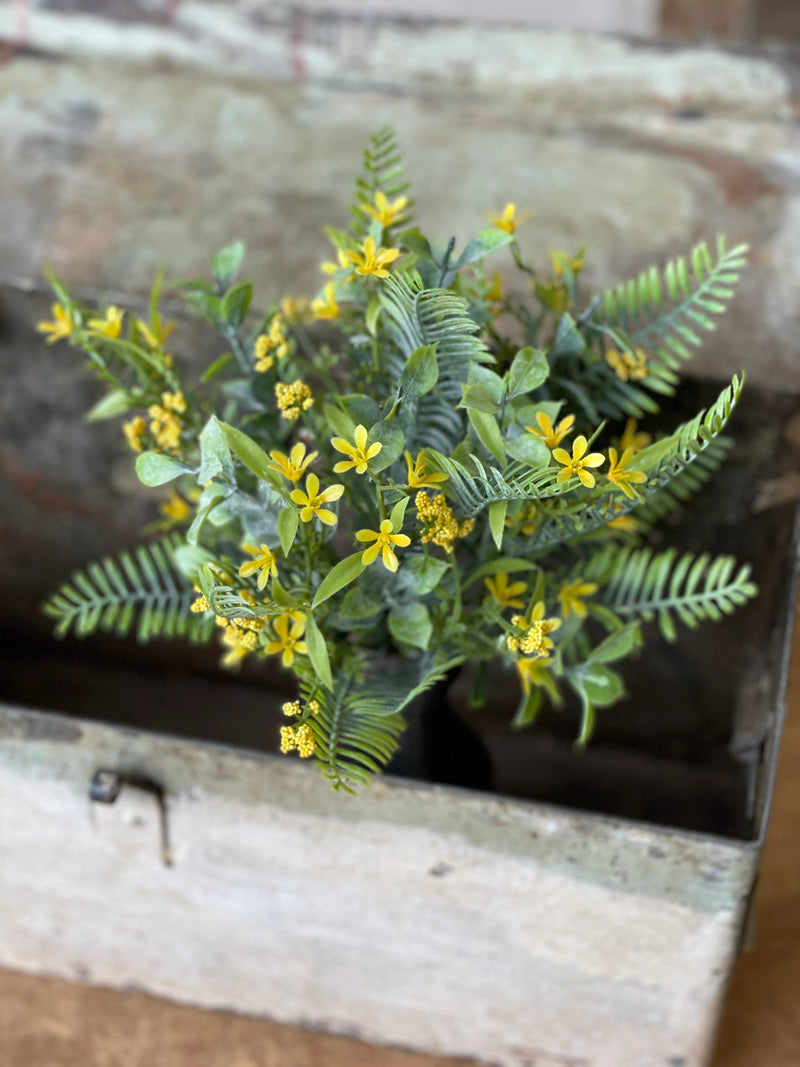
134 432
292 707
533 639
300 738
271 345
294 398
201 604
165 422
440 524
628 365
241 638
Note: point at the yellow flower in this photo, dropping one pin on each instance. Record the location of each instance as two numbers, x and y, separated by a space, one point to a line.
292 707
571 597
265 564
289 633
176 508
294 398
174 402
578 462
154 337
417 476
199 605
620 476
295 309
298 737
294 465
533 637
271 345
509 221
134 431
633 438
535 672
626 523
359 454
239 643
371 260
495 293
551 435
628 365
504 593
311 500
61 326
386 213
325 306
384 539
560 260
111 325
439 522
331 268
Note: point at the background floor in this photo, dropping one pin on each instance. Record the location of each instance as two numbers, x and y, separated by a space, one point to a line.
46 1023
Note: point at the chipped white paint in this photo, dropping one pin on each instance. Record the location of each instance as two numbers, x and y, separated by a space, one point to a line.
426 917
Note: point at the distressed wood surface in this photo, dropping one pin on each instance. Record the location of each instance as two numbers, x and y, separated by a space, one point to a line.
427 918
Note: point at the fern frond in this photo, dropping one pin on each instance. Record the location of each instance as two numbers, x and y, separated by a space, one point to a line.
383 171
662 311
472 490
637 583
663 461
358 726
684 484
420 316
144 589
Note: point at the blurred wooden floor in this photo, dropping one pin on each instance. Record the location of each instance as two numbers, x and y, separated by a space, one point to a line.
47 1023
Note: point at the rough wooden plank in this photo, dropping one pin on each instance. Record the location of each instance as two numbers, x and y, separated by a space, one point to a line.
426 917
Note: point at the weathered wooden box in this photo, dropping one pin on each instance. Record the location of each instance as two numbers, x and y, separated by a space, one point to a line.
515 928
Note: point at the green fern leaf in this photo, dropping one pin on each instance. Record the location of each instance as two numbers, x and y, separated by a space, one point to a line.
637 583
668 330
358 726
383 171
144 590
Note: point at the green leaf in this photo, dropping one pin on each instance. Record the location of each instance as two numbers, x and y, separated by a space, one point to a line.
507 564
340 422
235 304
414 241
478 398
226 263
568 340
288 521
411 625
218 365
252 455
156 468
359 605
420 373
391 437
114 403
215 456
318 652
361 408
602 686
618 645
421 574
528 448
398 513
371 316
345 571
483 244
488 432
497 519
527 372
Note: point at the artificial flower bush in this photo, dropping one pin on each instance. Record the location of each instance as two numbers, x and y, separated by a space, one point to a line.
412 463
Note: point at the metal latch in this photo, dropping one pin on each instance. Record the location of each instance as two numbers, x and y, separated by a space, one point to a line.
136 795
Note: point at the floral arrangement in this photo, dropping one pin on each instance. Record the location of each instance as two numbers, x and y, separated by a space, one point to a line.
412 463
